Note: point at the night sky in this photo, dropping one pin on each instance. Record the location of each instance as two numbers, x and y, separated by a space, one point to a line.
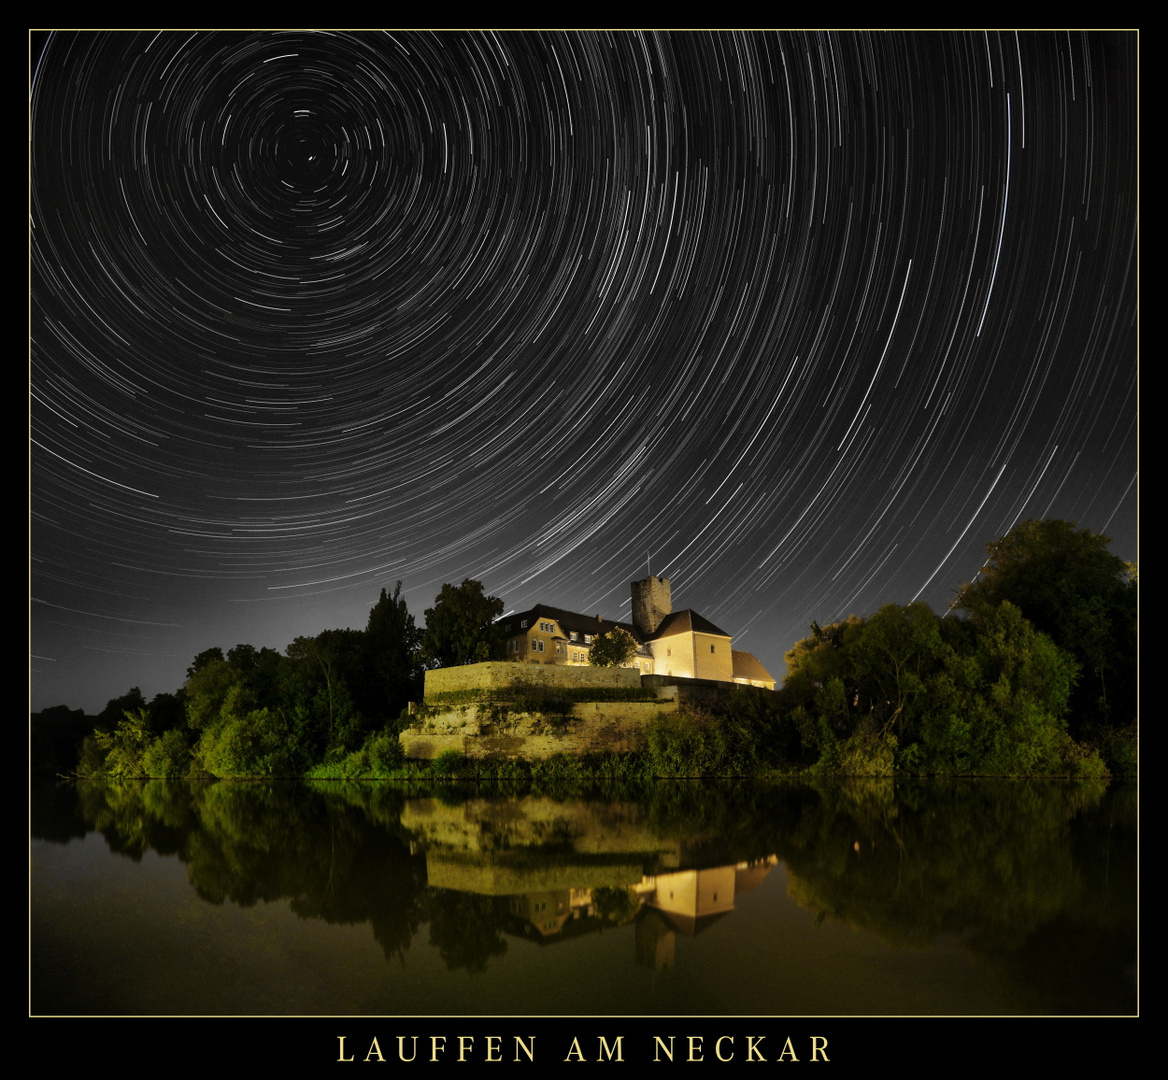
797 320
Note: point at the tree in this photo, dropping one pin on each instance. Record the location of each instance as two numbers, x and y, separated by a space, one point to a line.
460 627
612 648
317 690
1070 587
204 658
1045 568
392 666
124 747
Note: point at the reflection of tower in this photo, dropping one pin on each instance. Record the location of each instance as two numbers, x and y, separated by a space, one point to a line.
655 942
651 603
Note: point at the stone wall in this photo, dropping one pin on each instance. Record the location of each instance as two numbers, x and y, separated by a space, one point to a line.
493 731
708 694
496 674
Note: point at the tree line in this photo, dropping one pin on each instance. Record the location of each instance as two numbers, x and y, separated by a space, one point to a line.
260 712
1032 670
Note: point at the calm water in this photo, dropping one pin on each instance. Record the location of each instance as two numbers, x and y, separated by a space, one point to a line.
698 899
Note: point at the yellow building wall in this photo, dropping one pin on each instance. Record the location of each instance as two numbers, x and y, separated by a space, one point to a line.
693 655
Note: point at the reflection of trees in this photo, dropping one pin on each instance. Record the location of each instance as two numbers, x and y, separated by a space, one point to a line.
616 905
1004 865
337 857
1018 870
466 929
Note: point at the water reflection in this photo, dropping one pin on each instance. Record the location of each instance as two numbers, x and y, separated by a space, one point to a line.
728 898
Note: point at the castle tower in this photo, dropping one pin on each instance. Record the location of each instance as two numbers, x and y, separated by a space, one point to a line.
651 603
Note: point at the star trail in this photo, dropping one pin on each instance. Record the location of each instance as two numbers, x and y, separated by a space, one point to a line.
799 320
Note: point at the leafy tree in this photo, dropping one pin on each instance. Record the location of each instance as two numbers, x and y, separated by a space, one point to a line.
168 756
1019 701
260 669
116 708
323 711
124 747
1066 582
612 648
167 711
392 665
893 657
206 690
1044 568
461 627
203 659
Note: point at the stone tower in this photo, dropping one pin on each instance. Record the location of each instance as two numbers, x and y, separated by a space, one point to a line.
651 603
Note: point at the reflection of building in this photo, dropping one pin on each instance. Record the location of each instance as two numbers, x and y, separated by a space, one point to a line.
682 644
664 906
686 902
562 870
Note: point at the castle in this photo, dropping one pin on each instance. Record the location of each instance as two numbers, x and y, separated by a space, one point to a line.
677 644
493 709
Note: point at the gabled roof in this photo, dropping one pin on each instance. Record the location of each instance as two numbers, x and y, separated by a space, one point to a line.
568 620
747 666
680 622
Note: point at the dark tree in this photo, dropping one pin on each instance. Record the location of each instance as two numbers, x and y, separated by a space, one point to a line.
392 664
1068 584
203 659
612 648
461 627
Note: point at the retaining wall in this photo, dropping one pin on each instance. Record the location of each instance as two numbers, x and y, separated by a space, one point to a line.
491 731
496 674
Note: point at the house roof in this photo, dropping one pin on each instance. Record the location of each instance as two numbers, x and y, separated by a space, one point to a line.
747 666
680 622
568 620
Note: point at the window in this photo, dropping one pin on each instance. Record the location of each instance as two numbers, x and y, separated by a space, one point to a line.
559 648
711 648
575 636
587 639
547 627
536 646
523 625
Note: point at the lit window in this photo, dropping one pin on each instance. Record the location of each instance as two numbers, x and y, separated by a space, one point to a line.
575 636
523 625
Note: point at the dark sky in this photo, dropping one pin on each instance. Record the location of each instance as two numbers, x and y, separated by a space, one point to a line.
799 320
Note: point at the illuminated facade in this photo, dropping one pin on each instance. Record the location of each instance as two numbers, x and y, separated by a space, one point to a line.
681 644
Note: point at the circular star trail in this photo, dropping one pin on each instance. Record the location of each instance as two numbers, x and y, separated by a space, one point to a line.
797 320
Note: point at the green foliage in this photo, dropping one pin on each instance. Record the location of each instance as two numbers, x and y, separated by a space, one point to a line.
116 708
1071 588
315 693
612 648
168 756
123 748
392 669
451 763
901 688
248 744
461 627
866 752
1119 749
206 691
204 658
92 758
